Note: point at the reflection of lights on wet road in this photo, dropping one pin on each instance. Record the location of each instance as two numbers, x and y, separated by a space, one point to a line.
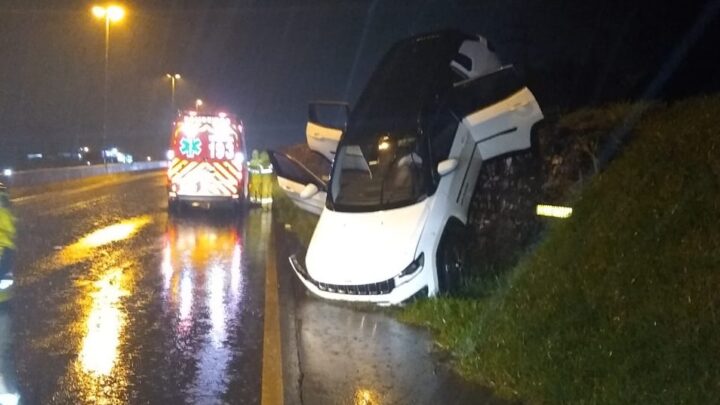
166 266
104 325
101 237
202 273
216 304
186 297
235 273
113 233
366 397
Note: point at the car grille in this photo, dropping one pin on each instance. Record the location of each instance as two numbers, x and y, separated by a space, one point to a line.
383 287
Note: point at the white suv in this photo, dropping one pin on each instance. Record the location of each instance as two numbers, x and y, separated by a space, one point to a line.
404 169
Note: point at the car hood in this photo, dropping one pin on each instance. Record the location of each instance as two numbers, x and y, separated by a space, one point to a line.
365 247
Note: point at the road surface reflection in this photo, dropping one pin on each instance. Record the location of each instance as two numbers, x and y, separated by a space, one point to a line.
201 269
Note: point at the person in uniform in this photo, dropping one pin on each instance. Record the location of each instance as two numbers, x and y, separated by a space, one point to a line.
7 233
266 173
255 185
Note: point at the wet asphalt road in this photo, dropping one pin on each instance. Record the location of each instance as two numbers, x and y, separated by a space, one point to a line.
117 303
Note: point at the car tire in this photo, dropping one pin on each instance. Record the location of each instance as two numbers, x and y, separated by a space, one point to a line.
451 258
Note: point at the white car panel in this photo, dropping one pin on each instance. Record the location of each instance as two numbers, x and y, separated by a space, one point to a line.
362 248
322 139
314 204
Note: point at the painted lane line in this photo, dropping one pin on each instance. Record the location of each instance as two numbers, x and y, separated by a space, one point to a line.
272 373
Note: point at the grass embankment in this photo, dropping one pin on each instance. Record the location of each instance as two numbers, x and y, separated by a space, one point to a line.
620 303
300 222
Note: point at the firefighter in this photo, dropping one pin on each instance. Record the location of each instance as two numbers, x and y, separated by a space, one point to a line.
254 169
267 179
7 233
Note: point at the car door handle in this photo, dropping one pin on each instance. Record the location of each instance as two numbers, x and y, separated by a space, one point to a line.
518 106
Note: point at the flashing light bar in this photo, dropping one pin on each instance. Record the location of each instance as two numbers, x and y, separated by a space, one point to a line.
553 211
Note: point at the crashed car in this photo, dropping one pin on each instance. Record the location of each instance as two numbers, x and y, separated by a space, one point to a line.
404 168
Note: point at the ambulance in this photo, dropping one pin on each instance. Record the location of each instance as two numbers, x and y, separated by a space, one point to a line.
206 162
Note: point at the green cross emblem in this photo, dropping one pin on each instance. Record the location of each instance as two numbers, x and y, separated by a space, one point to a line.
190 147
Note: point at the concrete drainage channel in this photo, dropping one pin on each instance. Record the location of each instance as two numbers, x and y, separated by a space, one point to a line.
44 176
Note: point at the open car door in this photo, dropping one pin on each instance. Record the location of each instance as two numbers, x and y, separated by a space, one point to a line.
306 189
326 122
497 113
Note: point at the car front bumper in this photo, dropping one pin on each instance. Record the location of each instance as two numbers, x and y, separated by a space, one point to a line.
384 292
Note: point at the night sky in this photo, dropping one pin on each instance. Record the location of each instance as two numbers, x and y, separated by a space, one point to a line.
264 60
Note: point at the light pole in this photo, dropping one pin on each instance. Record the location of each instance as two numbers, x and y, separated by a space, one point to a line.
110 14
198 104
173 78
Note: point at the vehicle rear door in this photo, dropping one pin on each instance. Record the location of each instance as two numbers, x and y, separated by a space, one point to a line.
326 122
293 177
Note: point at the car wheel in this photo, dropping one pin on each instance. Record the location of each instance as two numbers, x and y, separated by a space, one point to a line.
451 259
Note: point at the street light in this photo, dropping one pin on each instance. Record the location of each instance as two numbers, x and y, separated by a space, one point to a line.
111 14
198 104
173 78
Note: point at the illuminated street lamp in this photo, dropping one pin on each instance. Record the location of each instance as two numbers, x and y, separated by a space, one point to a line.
111 14
198 104
173 78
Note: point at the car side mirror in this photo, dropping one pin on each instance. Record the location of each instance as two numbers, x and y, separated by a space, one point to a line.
309 191
447 166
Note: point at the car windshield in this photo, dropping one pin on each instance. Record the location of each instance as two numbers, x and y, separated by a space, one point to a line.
384 173
382 162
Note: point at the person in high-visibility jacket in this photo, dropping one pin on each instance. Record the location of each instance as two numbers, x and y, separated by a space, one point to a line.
7 233
255 185
266 173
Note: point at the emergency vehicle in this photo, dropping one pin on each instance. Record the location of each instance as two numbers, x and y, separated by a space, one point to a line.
207 161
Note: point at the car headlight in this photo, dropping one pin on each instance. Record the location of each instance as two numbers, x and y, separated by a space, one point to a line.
411 270
5 284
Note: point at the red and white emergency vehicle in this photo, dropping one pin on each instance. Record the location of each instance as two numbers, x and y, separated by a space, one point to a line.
207 161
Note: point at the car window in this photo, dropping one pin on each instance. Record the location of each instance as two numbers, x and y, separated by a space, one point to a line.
292 170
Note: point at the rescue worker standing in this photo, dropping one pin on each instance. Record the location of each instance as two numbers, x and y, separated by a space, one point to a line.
266 172
7 233
254 169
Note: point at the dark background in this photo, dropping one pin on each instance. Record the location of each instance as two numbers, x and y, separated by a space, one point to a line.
265 59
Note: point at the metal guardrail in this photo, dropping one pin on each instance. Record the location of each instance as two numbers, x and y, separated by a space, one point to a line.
43 176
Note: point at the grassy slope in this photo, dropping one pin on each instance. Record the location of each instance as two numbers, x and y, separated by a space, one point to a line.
620 303
285 212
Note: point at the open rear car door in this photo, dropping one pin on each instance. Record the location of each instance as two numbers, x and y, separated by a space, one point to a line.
306 188
326 122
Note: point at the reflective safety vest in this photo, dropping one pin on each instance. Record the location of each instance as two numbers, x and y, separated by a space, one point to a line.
7 229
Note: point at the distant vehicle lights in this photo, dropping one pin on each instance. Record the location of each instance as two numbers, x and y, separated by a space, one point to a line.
7 172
